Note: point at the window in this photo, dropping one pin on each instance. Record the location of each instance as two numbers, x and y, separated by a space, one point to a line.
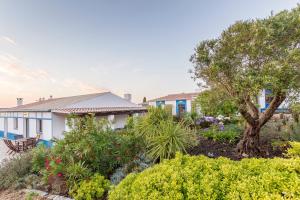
160 103
39 126
16 123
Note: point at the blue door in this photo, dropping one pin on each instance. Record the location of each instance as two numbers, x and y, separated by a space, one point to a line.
181 107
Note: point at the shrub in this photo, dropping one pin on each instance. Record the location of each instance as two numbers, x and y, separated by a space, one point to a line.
216 102
76 172
294 151
207 121
39 155
162 136
94 188
13 171
137 165
199 177
295 108
146 125
93 142
230 133
190 118
170 138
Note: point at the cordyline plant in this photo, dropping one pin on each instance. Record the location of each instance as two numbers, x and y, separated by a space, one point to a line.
251 56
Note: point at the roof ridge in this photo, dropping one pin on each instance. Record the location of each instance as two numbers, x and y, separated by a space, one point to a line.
59 98
174 94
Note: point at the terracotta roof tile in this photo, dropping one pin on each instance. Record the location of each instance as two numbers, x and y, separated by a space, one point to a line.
173 97
98 110
98 102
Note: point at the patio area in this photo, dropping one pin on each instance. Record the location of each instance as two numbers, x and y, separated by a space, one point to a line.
3 151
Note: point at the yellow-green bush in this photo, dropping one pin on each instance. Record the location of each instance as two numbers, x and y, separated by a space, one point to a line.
199 177
95 188
294 151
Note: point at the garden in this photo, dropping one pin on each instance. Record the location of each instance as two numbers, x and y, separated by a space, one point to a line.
158 155
231 150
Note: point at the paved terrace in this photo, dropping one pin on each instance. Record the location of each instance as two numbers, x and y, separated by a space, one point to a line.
3 150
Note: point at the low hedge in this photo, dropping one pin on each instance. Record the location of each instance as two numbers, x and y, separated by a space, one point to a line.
199 177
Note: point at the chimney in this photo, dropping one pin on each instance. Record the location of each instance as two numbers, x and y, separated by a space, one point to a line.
19 101
127 97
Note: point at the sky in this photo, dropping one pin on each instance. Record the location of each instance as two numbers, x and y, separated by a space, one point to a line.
73 47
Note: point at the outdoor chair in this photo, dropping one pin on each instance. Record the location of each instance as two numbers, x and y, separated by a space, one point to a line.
13 148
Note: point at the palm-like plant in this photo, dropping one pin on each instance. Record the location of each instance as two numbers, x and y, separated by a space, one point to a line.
170 137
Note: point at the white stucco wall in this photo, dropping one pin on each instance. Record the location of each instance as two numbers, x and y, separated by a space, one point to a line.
58 125
119 121
173 103
1 124
188 105
32 128
47 130
262 101
32 118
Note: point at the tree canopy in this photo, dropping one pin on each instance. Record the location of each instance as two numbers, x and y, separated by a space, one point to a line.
216 102
250 56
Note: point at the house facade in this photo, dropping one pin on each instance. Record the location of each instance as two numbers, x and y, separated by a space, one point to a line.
179 103
265 98
49 117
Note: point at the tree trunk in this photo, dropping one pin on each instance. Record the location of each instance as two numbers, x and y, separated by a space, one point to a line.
249 144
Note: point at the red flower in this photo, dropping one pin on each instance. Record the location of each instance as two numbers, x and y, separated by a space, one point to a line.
59 174
47 164
58 160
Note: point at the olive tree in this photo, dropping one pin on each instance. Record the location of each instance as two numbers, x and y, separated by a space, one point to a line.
222 103
246 58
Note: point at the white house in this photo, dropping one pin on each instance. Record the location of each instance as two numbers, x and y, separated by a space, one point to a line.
265 98
49 117
180 103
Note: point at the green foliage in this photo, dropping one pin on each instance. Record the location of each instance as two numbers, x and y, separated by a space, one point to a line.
168 108
250 56
162 136
31 195
13 171
170 138
92 189
146 125
282 129
231 133
215 102
93 143
199 177
294 151
39 155
190 118
76 172
295 108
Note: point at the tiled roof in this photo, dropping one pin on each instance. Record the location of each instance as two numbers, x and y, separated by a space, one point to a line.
55 102
173 97
98 110
98 102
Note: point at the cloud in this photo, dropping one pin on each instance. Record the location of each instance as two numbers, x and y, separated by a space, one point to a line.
81 86
14 67
8 40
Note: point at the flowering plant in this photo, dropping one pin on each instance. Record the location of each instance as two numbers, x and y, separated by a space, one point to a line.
54 166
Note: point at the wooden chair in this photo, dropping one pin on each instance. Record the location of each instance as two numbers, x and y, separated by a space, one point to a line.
37 138
13 149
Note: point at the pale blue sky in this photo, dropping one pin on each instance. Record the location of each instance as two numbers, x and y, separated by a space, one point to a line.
69 47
